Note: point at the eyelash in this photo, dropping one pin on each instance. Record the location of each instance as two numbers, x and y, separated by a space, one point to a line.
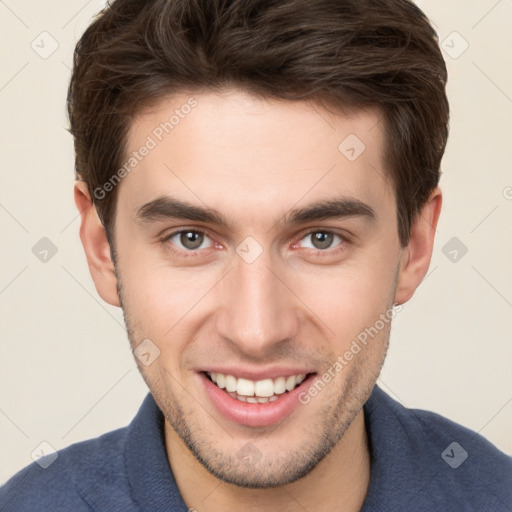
190 253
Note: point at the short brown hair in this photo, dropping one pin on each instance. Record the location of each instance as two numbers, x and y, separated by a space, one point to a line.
342 53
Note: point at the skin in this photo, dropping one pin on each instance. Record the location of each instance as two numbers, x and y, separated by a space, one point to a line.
254 160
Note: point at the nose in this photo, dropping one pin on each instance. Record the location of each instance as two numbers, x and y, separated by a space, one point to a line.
257 310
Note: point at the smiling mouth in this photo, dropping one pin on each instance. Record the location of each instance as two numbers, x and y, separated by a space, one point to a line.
256 392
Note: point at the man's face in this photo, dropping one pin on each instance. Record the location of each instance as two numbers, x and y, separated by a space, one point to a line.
276 290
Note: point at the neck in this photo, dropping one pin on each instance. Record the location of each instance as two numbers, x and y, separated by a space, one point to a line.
339 482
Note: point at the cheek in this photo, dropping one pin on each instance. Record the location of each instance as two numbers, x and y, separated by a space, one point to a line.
350 297
159 301
156 295
354 290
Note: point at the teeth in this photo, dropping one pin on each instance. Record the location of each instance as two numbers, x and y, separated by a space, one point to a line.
220 380
264 388
245 387
261 391
230 382
291 381
280 386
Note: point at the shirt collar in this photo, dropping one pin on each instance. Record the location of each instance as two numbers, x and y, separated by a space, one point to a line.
150 477
398 470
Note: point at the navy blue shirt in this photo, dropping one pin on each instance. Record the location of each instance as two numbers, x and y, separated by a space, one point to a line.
420 462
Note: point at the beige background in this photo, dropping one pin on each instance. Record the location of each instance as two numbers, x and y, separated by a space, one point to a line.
66 371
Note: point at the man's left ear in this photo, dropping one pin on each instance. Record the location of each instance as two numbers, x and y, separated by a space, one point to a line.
418 252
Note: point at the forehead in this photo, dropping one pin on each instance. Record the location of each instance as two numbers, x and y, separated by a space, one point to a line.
235 152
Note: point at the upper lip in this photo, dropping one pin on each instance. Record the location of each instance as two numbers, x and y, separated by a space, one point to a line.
256 374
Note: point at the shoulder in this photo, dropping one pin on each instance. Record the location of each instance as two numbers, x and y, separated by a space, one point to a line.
461 444
454 466
474 471
77 475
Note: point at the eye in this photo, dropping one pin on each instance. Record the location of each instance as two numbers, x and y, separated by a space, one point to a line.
189 239
321 240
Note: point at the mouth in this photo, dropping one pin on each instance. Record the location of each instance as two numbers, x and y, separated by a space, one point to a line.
255 403
256 392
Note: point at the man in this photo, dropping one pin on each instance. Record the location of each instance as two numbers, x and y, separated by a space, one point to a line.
258 189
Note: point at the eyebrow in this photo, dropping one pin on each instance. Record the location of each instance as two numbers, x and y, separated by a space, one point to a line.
167 207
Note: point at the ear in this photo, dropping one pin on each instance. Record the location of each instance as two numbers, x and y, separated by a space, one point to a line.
96 246
416 255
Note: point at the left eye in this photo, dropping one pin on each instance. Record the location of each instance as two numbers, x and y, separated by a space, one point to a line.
321 240
190 240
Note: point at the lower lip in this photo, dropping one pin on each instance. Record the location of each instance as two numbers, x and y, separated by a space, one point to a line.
254 415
